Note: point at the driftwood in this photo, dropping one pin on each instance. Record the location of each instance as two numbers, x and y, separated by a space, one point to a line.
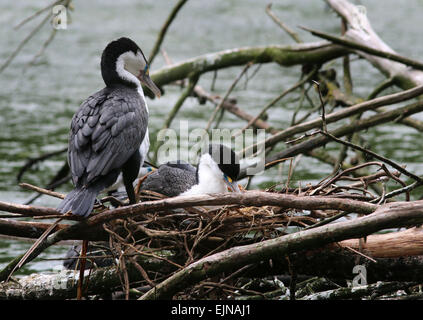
361 31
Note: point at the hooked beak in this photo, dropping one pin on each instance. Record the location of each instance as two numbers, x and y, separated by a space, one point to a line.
232 184
145 79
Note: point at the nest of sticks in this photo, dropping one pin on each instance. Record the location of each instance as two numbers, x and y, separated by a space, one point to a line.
163 240
182 236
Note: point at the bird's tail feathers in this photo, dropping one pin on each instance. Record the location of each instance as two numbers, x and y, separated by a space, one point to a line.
79 201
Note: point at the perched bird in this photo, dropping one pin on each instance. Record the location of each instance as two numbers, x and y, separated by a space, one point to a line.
217 170
108 133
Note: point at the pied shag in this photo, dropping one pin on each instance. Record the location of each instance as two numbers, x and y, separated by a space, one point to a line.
109 128
217 170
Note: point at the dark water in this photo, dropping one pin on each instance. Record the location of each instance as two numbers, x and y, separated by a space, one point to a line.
37 103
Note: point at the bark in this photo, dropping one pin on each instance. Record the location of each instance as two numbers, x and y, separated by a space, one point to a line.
308 53
390 245
372 290
63 284
336 262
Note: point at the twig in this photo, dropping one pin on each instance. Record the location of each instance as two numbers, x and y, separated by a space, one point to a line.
82 261
36 14
185 94
287 29
164 29
356 147
24 42
228 92
42 190
193 79
36 244
335 116
346 64
322 106
31 161
375 155
275 100
232 108
43 48
382 86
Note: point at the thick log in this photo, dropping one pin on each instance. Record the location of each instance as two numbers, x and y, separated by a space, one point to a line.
336 262
63 284
373 290
390 245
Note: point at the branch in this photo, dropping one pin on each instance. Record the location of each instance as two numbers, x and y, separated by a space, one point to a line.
363 124
308 53
338 115
164 29
351 44
287 29
361 31
251 198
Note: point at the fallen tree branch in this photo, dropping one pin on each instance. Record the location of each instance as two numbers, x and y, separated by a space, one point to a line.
354 45
307 53
361 31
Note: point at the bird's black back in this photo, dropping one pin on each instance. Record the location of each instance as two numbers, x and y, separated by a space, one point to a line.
171 179
105 132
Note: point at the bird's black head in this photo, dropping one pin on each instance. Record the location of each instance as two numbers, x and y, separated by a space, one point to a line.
124 63
226 159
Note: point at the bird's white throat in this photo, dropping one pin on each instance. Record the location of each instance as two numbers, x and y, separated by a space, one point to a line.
128 65
210 178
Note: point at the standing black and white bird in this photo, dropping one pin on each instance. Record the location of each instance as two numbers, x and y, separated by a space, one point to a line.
217 170
108 133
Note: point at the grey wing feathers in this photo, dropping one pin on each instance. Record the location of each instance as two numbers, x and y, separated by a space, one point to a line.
171 180
98 142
